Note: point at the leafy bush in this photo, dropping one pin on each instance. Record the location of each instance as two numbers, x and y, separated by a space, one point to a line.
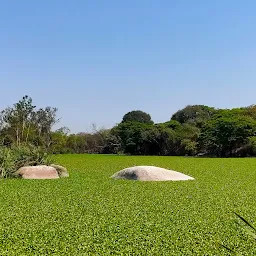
11 159
252 145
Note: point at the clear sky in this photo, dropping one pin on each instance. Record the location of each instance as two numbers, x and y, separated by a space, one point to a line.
95 60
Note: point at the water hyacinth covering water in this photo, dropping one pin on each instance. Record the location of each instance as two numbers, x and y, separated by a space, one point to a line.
91 214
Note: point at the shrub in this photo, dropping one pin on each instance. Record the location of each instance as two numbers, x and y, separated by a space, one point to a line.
11 159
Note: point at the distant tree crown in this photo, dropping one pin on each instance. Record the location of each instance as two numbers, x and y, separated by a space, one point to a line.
137 116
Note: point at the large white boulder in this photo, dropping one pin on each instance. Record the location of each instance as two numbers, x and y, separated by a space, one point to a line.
38 172
150 173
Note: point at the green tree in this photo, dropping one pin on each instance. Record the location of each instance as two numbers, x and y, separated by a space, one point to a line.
112 143
194 114
224 134
58 143
44 120
252 145
132 137
17 119
249 111
159 140
26 125
189 147
137 116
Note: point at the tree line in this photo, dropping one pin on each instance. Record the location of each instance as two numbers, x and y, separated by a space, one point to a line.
196 130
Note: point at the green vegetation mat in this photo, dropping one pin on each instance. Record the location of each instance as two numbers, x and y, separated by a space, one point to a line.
91 214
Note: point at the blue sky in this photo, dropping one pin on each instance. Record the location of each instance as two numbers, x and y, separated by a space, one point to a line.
96 60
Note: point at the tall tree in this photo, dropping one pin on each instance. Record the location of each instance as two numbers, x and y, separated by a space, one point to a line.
18 118
44 120
23 123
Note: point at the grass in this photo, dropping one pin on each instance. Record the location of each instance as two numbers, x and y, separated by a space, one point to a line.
91 214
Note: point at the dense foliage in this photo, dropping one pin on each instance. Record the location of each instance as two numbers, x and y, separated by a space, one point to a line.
194 130
91 214
137 116
11 159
